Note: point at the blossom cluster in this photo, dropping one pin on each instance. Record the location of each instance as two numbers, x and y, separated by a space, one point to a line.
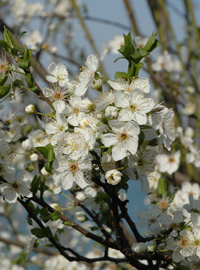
91 148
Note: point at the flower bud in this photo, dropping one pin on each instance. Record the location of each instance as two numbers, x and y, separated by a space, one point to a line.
86 105
44 172
27 144
151 246
34 157
139 247
80 196
113 177
30 109
80 216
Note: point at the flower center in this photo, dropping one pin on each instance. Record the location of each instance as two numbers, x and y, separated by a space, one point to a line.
61 128
57 95
3 67
171 159
123 136
73 167
133 107
163 65
163 204
75 110
183 243
15 185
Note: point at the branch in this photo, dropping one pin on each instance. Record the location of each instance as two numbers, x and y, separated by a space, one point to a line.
76 226
23 246
104 21
96 220
62 249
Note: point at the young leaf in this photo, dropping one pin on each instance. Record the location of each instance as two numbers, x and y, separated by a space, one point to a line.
35 184
55 216
47 152
4 90
48 166
152 43
29 80
39 233
22 33
4 45
23 64
120 75
3 79
8 38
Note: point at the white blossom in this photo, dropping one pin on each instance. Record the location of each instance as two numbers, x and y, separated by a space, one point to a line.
16 187
124 139
59 74
113 177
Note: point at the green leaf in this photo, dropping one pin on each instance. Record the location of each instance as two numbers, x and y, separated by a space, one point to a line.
125 51
143 52
135 69
35 184
39 233
101 197
27 53
162 187
16 83
3 79
23 64
55 216
47 152
127 48
22 33
120 75
8 38
94 228
34 89
47 232
118 59
141 137
29 80
48 166
128 41
4 90
44 214
152 43
68 223
4 45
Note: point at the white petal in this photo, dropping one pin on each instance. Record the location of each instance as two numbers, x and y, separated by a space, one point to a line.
109 139
10 195
132 145
51 79
59 106
116 85
92 62
66 180
51 67
79 179
119 151
48 92
81 89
